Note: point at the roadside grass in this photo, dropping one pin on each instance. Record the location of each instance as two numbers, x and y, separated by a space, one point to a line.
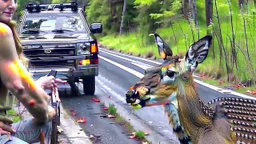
179 36
14 115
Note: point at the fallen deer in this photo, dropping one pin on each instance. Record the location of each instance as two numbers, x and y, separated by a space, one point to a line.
226 120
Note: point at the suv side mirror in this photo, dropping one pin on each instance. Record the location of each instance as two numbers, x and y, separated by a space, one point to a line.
96 28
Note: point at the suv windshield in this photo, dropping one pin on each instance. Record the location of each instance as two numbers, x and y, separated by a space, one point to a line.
54 23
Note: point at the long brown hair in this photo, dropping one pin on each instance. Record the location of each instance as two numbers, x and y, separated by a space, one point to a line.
19 49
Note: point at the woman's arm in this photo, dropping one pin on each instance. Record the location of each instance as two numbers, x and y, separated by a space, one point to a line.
17 79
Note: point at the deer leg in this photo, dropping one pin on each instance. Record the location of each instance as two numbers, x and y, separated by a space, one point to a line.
174 120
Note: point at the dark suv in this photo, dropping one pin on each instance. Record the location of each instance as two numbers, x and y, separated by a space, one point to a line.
58 36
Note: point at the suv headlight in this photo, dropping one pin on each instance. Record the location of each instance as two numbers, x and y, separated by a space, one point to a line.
83 48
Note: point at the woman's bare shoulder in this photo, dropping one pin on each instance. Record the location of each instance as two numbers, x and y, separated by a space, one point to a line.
7 45
4 29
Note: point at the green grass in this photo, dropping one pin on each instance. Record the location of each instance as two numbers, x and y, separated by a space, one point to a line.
15 116
112 110
140 134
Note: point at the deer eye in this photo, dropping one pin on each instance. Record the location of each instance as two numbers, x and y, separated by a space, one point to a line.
170 73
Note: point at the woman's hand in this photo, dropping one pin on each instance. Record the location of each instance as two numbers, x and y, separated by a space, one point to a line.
49 82
5 129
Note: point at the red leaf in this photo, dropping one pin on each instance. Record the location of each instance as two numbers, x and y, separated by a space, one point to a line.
105 108
96 99
81 120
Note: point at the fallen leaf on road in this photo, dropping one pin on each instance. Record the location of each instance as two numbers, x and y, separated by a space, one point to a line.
108 116
96 99
81 120
132 137
251 92
105 108
111 116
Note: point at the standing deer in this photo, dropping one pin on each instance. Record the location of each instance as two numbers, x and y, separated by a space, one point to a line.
225 120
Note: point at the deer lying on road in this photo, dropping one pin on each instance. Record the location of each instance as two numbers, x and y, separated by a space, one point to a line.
225 120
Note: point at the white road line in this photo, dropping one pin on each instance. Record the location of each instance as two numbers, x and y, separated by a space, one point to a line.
109 90
110 52
140 75
137 74
136 63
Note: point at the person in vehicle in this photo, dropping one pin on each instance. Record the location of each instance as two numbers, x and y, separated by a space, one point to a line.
15 78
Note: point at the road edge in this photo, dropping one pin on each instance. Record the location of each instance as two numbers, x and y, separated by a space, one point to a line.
73 131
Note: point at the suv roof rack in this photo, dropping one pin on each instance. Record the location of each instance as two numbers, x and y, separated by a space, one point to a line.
34 7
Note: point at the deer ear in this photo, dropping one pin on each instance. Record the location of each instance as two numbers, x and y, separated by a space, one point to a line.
164 49
198 52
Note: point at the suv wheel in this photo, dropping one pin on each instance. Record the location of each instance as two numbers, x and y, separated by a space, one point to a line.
89 85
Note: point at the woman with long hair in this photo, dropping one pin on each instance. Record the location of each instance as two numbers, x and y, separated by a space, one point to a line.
15 78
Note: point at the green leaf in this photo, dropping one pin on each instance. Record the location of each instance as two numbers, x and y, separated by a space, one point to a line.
144 2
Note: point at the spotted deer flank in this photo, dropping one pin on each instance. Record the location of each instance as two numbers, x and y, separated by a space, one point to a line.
225 120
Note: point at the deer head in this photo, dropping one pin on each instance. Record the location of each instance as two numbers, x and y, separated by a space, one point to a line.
160 84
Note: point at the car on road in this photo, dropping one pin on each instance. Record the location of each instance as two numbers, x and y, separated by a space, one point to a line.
58 36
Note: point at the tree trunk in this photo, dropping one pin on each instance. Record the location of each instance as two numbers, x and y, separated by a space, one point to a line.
189 9
122 20
193 10
186 8
243 2
209 11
